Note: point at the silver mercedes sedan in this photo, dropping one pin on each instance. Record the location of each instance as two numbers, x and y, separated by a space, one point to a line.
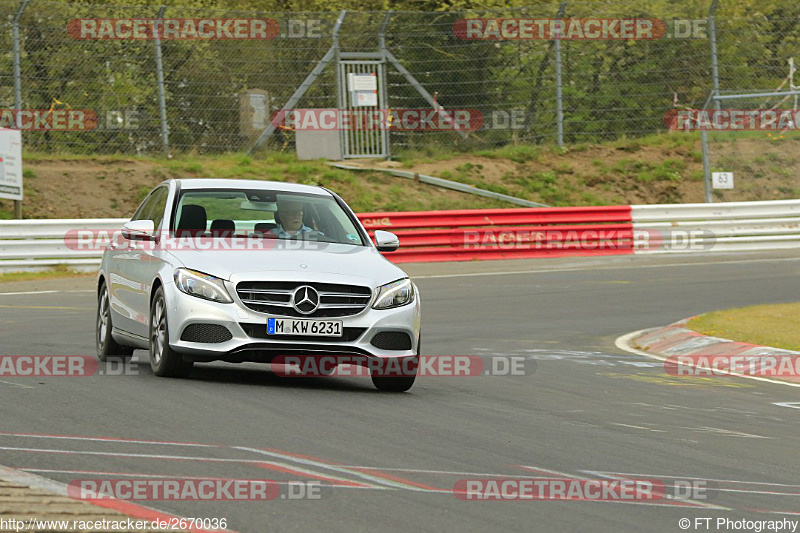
241 270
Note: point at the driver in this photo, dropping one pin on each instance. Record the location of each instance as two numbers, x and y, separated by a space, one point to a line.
290 220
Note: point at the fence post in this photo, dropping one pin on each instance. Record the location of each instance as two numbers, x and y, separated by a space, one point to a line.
706 155
706 165
384 93
162 99
17 81
712 35
559 101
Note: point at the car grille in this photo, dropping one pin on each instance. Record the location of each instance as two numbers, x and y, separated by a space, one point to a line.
392 340
207 333
275 298
259 331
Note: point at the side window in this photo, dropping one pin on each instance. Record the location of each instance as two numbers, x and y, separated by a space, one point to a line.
159 204
153 207
144 208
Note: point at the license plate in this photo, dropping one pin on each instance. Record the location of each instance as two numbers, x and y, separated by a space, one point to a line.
289 326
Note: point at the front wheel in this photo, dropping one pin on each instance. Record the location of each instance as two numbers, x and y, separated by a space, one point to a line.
164 361
398 384
107 347
392 384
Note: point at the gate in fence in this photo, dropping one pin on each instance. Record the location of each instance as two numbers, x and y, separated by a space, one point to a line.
361 95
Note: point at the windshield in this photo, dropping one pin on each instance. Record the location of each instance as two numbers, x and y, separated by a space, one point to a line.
264 214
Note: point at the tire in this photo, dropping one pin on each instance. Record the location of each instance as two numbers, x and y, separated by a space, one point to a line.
326 373
107 347
397 384
393 384
164 361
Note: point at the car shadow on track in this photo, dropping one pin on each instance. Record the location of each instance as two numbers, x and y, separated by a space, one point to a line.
255 374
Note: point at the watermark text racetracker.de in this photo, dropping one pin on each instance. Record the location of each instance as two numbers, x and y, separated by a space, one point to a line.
785 366
573 489
623 238
423 119
501 29
731 119
63 366
399 119
98 240
173 28
542 238
203 29
195 489
332 365
48 119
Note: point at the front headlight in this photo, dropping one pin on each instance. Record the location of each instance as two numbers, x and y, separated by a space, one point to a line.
394 294
202 285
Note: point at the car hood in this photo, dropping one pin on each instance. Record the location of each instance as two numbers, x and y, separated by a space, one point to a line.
329 262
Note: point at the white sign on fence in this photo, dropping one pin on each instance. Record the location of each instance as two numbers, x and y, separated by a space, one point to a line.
722 180
10 164
363 89
363 82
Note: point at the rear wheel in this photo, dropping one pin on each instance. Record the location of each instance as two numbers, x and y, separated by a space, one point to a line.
107 347
164 360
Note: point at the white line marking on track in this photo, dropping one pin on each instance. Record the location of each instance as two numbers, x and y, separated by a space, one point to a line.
335 468
768 511
189 458
720 489
590 267
792 405
623 342
162 476
127 454
767 492
725 432
112 440
22 293
562 475
554 473
680 502
17 385
671 476
638 427
442 472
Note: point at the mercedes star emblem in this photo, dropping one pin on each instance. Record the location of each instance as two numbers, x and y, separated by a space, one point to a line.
305 299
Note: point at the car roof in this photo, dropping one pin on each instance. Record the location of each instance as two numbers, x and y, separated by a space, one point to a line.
200 183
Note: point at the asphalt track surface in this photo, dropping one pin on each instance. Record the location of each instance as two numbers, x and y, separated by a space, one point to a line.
584 409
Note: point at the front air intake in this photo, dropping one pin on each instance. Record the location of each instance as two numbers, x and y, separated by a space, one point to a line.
206 333
392 340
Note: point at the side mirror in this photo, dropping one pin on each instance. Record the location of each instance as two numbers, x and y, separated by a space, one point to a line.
386 241
139 230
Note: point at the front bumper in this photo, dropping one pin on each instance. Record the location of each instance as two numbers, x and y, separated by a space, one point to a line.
249 341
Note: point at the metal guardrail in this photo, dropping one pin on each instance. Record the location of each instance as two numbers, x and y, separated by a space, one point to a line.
39 244
721 227
443 183
486 233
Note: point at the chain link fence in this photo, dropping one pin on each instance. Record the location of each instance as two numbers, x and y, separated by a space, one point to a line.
535 91
757 54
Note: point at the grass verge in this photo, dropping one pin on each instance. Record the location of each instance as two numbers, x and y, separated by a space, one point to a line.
60 271
768 325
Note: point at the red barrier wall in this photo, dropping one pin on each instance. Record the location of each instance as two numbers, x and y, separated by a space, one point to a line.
464 235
